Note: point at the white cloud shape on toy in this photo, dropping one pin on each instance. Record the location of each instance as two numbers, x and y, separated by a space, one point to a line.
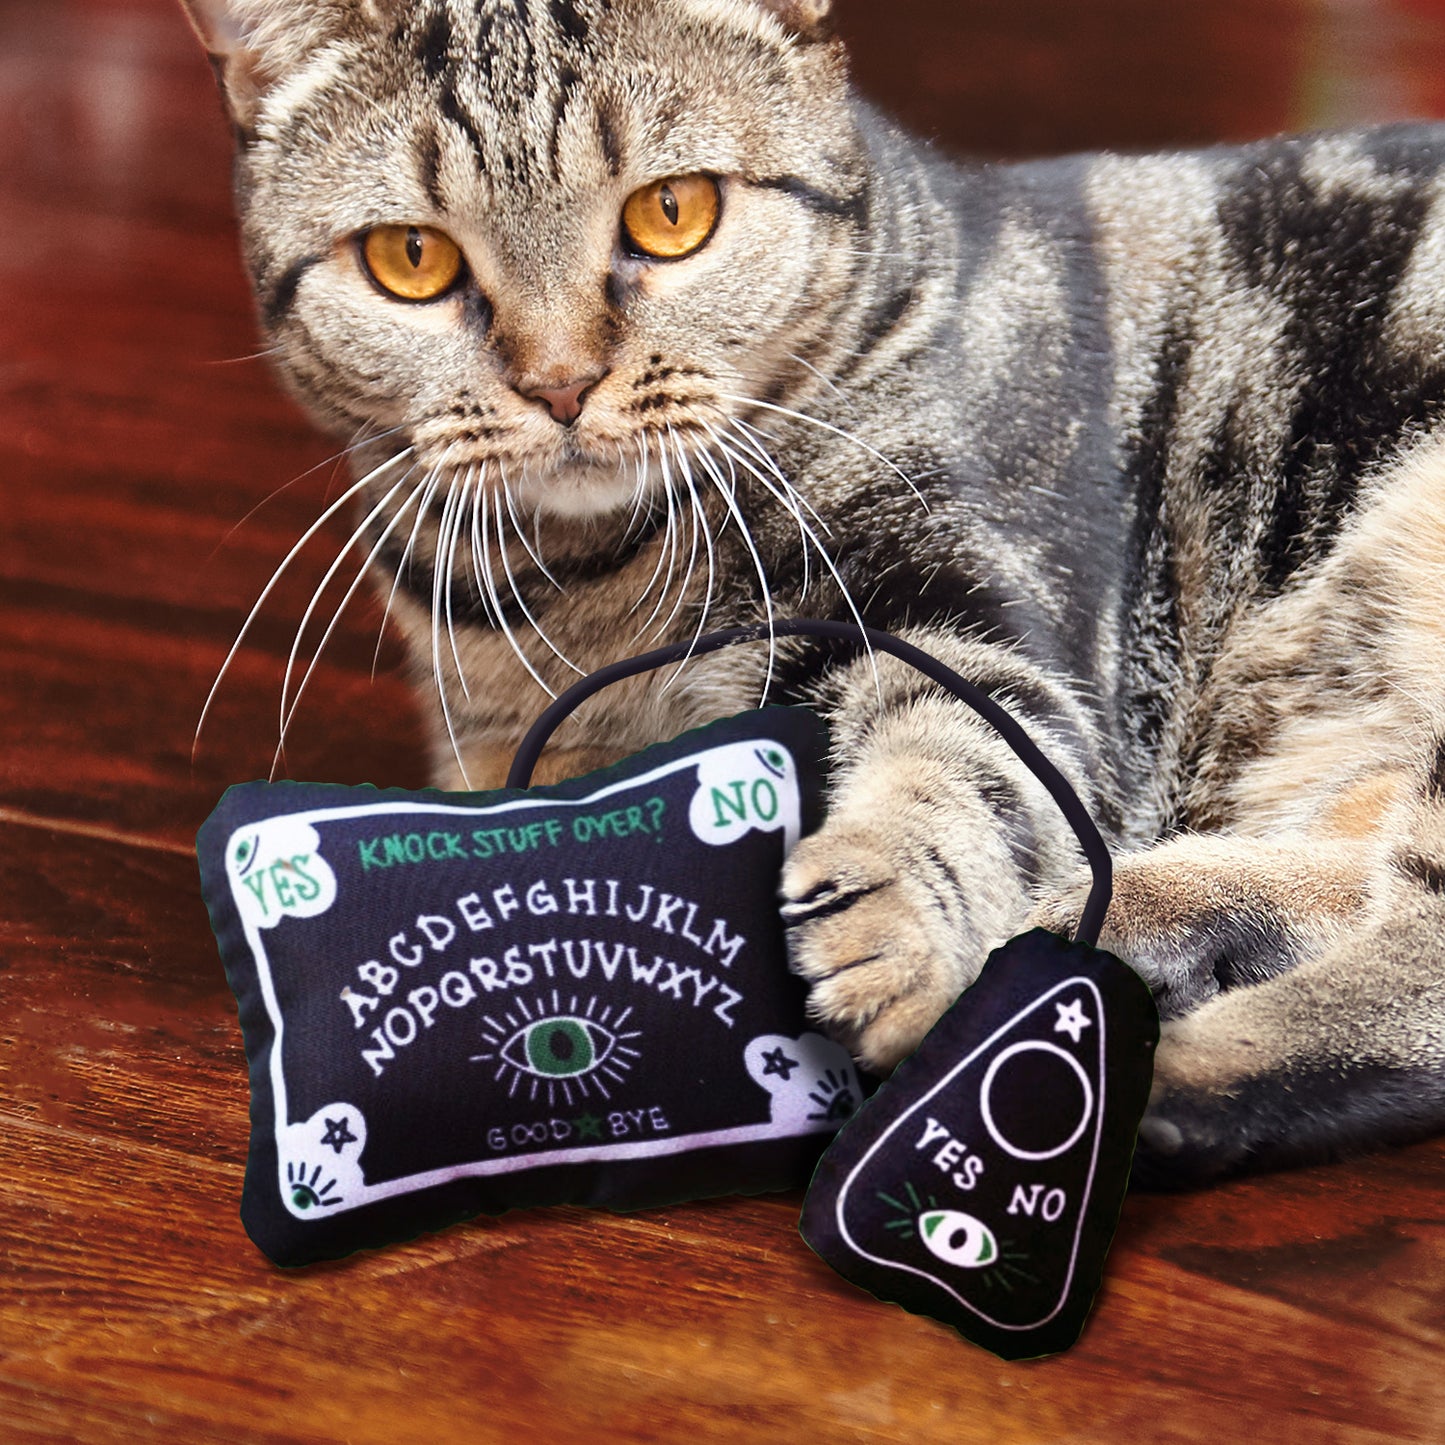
745 786
319 1162
277 872
813 1083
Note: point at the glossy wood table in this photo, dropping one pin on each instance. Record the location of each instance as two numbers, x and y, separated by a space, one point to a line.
145 458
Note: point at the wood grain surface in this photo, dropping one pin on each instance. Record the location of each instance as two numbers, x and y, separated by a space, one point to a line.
146 475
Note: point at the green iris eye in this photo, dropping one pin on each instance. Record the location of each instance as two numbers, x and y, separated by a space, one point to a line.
560 1048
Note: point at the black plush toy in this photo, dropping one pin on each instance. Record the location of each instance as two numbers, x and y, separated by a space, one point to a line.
456 1004
982 1183
463 1003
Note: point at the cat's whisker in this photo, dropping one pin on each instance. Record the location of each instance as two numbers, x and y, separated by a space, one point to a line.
681 457
448 563
791 500
270 351
335 619
700 518
496 599
288 703
537 543
517 591
824 555
646 592
670 539
732 476
479 563
440 580
639 490
824 378
755 442
534 554
837 431
429 485
346 451
354 490
730 499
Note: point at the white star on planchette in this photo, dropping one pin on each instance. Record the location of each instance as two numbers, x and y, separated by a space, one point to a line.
1071 1020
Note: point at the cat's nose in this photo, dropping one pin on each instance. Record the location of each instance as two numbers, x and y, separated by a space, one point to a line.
564 399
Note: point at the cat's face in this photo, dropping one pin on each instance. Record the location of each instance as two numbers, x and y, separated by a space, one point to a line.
564 238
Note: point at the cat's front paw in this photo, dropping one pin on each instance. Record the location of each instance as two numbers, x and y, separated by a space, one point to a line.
878 950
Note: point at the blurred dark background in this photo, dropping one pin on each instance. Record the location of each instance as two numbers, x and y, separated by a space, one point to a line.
1034 77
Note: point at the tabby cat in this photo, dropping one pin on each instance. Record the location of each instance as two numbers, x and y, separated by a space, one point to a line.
640 321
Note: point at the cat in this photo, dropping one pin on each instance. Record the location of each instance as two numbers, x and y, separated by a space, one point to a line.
640 321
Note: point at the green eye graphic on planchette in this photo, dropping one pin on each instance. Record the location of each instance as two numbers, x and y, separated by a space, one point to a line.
958 1238
952 1235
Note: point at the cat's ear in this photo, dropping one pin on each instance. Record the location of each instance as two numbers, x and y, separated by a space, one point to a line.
253 44
812 19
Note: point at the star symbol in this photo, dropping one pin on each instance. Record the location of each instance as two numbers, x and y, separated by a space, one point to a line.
338 1134
1071 1020
589 1126
777 1062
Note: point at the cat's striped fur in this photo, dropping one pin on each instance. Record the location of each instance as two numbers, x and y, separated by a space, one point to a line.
1151 447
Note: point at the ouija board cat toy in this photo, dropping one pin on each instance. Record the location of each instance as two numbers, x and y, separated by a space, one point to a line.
463 1003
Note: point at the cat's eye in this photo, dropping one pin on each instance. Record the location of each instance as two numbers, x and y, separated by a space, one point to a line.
412 263
673 218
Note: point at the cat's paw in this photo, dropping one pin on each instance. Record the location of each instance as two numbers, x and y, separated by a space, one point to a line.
1203 1120
880 954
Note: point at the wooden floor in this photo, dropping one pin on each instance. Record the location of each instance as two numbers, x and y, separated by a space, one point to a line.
136 438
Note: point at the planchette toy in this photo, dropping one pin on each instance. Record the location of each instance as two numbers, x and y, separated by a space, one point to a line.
982 1184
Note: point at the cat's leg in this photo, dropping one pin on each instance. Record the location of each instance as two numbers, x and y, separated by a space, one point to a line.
1302 980
1309 938
1206 913
1346 1051
935 837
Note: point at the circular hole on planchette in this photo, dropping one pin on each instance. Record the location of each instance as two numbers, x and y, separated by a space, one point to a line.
1036 1100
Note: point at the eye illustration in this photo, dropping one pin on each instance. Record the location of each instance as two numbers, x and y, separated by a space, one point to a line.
673 218
246 852
412 263
833 1097
561 1049
309 1193
956 1238
774 760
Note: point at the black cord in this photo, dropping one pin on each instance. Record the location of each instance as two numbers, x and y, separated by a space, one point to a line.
1002 722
